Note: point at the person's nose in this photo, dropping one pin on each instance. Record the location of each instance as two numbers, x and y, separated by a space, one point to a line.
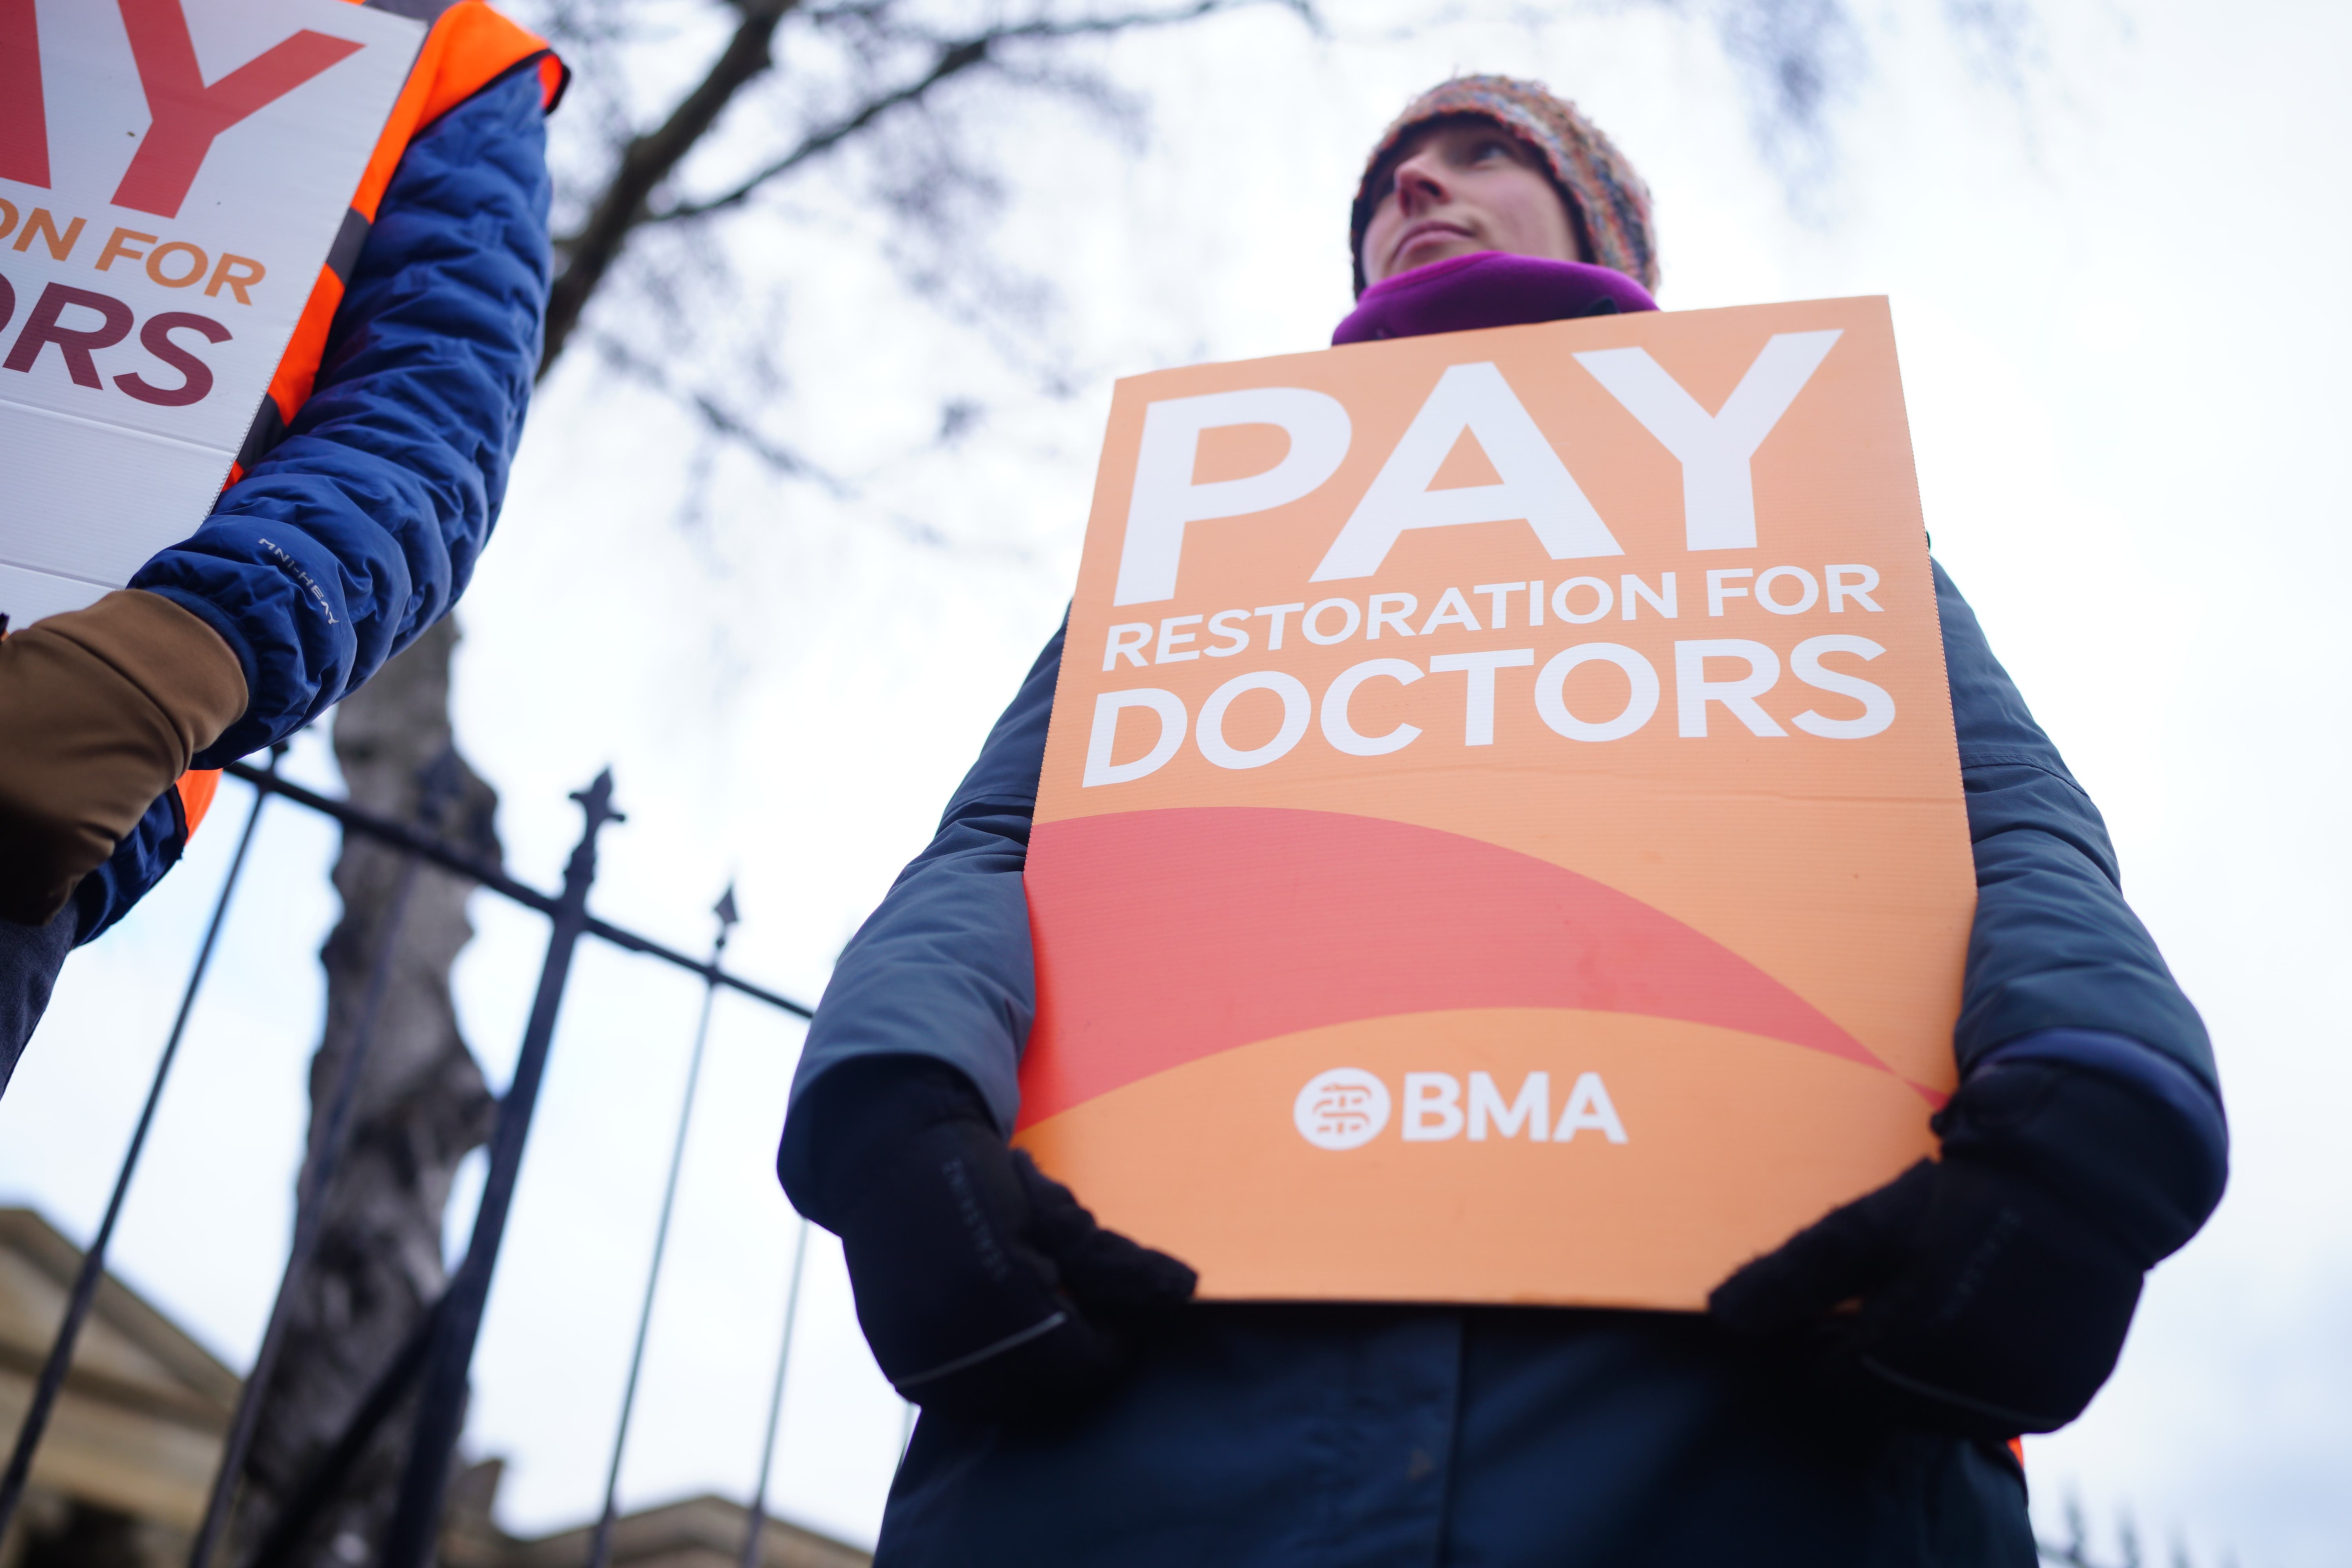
1420 185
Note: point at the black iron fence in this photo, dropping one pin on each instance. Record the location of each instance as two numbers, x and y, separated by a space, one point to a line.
434 1365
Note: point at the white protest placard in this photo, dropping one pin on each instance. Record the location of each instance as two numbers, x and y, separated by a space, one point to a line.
173 176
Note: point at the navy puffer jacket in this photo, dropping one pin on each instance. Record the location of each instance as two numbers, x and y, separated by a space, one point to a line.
391 477
1368 1437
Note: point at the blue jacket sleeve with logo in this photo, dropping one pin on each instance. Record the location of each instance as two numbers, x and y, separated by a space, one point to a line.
361 528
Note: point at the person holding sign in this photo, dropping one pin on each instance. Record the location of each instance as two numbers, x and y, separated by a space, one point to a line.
1852 1395
360 498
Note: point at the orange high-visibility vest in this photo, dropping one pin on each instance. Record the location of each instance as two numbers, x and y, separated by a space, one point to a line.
470 47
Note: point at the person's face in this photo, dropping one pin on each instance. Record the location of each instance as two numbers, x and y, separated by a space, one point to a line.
1462 186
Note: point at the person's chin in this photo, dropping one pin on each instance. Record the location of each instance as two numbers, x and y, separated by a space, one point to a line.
1428 252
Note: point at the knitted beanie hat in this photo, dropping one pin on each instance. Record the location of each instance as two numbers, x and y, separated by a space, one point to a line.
1606 198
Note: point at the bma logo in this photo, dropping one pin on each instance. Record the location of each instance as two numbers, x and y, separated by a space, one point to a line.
1346 1108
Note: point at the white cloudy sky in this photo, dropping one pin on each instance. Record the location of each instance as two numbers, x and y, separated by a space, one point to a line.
2119 299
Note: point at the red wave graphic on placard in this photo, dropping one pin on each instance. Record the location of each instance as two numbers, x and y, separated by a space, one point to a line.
1166 936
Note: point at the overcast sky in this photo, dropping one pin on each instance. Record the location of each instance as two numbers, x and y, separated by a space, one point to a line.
2119 294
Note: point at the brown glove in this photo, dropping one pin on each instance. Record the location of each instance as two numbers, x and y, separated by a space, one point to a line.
100 709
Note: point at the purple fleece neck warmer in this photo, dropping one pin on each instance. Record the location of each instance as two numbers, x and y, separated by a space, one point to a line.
1491 289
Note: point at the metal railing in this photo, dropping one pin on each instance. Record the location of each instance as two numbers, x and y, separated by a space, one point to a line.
434 1361
434 1364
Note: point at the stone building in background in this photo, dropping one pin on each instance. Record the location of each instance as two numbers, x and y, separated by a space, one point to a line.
120 1480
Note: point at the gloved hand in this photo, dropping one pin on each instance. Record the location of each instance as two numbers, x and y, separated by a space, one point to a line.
100 709
1995 1285
984 1288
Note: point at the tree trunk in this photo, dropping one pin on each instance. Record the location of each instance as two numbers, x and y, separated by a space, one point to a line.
421 1104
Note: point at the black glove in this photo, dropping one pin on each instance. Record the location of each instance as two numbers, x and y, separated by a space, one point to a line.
1995 1285
984 1288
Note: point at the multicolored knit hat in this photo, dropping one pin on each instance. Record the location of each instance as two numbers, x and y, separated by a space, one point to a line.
1607 199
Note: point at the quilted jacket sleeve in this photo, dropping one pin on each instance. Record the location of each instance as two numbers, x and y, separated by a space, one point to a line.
943 968
360 529
2055 945
391 475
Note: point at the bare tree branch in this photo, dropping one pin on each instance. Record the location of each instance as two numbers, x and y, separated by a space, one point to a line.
1797 57
648 160
722 420
953 59
736 429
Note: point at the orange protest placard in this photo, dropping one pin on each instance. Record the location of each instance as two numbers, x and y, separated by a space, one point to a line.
1501 835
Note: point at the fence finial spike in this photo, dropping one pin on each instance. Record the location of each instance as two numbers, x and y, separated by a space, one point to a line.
725 908
596 800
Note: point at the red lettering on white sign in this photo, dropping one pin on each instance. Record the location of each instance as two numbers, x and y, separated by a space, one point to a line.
23 123
189 114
